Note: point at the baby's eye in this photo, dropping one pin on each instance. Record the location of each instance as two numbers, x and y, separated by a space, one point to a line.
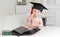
37 11
34 10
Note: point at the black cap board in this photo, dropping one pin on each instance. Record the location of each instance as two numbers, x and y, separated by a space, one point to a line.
38 6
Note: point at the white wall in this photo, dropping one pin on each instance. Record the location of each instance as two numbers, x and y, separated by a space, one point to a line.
7 7
57 12
40 1
58 15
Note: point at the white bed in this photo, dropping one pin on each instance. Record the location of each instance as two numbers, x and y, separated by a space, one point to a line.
14 21
48 31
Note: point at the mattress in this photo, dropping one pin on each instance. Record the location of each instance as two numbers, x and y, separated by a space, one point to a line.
48 31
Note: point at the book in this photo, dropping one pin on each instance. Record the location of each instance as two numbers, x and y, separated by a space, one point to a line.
24 31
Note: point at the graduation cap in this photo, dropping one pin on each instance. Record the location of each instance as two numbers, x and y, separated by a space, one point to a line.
38 6
23 31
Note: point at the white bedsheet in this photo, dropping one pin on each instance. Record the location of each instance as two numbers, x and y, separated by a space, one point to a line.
48 31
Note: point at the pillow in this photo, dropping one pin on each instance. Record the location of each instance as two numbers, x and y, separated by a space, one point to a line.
14 21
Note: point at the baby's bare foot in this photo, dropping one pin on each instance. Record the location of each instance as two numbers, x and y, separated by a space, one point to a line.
30 27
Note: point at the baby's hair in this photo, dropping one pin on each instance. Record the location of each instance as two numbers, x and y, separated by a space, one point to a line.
32 10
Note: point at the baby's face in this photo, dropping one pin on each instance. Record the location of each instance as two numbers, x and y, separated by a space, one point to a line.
36 12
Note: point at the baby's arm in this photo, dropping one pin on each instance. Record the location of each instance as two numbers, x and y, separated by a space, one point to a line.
40 22
29 20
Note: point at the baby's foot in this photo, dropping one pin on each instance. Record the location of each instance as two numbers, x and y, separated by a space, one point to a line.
28 27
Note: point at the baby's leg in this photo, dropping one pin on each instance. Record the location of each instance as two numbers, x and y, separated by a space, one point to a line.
29 27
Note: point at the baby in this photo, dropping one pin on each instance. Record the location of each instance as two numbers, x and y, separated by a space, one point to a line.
34 20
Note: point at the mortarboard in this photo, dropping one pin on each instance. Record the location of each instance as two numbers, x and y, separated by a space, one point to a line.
38 6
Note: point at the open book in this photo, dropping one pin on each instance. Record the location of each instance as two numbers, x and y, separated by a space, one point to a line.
24 31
